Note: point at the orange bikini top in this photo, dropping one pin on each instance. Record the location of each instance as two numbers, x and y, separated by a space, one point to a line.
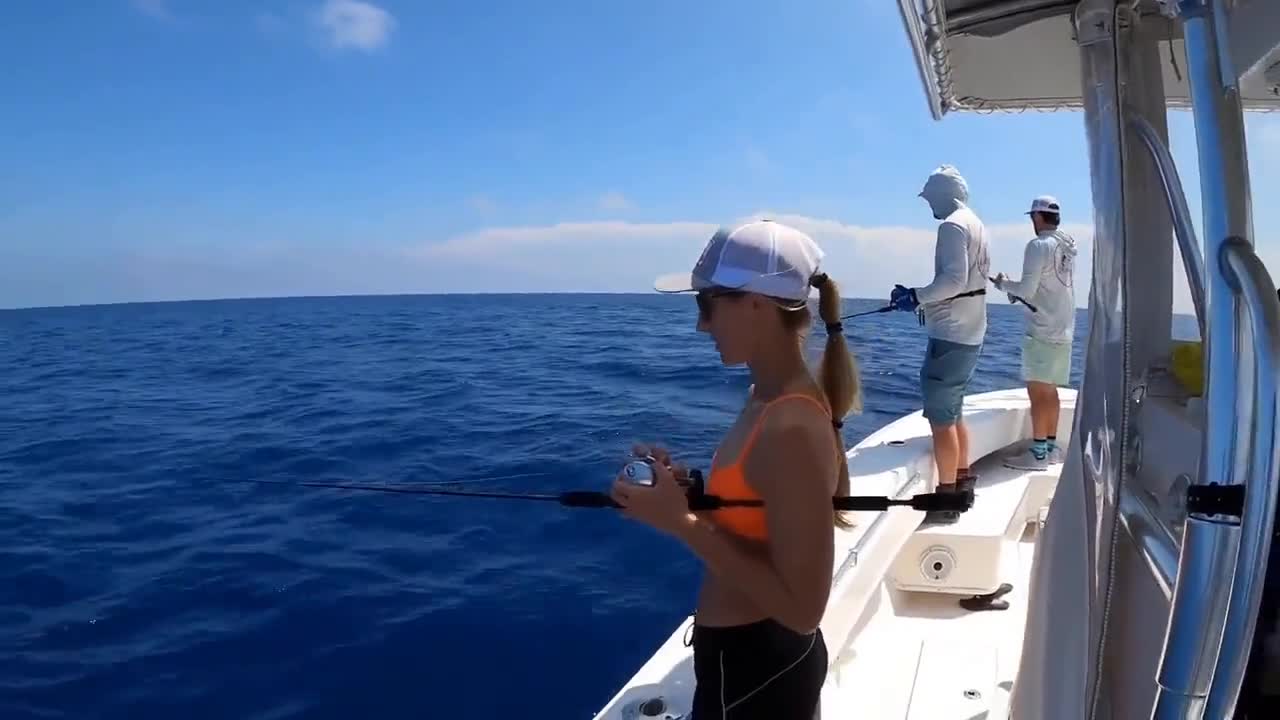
729 481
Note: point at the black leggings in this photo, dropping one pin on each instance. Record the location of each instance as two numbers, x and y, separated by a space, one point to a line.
757 671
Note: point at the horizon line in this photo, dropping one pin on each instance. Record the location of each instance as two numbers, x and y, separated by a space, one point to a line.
250 298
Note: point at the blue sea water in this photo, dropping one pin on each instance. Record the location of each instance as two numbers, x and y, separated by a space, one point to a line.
142 577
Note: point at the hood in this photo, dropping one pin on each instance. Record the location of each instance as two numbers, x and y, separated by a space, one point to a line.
945 191
1066 243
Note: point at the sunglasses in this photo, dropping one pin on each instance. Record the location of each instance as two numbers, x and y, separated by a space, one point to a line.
704 298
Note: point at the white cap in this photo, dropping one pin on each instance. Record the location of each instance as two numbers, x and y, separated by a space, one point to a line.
761 256
1044 204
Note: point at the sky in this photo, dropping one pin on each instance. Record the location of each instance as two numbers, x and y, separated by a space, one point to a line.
185 149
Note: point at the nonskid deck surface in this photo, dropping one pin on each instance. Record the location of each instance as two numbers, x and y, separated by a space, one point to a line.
925 658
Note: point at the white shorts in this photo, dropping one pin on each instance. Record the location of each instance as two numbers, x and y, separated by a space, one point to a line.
1045 362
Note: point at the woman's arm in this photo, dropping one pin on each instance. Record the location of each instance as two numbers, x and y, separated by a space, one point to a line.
791 467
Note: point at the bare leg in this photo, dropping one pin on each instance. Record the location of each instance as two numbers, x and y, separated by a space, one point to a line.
1044 411
946 452
1052 411
962 445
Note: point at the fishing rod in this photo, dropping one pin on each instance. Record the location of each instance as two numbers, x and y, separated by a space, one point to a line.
1030 307
885 309
891 308
1015 298
698 500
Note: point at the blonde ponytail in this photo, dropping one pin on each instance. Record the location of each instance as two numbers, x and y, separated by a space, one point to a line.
838 376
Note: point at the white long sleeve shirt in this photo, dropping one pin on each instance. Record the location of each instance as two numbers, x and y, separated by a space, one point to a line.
960 265
1048 283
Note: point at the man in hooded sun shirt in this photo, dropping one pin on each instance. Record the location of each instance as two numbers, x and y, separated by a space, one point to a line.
1048 279
954 308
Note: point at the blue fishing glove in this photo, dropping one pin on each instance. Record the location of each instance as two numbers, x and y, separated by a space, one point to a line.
903 298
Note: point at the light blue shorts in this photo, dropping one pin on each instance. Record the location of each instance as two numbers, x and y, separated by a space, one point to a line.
1045 362
948 367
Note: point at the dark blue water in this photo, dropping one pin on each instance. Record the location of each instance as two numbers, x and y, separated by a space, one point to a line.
140 577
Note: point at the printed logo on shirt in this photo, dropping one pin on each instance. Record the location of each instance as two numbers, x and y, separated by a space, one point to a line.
1064 265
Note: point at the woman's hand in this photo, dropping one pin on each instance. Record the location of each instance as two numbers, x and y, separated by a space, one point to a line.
660 454
664 506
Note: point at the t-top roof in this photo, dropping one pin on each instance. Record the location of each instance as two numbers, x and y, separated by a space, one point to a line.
1010 55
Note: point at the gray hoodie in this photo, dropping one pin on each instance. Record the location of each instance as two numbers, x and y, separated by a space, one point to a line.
960 263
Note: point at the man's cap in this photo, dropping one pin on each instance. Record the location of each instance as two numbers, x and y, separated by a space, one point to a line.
1045 204
761 256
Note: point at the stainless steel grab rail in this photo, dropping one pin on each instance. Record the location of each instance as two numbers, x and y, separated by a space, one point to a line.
1139 515
1183 229
1212 544
1193 639
1253 287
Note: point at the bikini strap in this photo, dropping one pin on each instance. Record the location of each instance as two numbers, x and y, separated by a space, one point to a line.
755 429
788 396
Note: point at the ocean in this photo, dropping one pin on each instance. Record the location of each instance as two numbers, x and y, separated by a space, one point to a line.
142 576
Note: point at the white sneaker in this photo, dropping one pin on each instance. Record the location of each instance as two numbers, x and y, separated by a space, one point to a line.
1026 460
1057 456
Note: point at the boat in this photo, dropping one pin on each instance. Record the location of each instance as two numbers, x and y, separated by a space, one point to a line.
1132 580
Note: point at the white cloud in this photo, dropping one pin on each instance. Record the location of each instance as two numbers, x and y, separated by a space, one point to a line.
602 256
614 201
355 24
627 256
494 243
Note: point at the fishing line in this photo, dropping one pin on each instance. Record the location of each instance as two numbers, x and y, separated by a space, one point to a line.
488 478
416 489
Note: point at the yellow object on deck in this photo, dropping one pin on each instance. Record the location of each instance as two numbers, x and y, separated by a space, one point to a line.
1187 365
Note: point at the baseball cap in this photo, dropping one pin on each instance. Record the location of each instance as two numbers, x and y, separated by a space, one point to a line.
761 256
1044 204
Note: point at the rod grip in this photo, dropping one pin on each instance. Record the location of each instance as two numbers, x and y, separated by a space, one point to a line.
587 499
945 501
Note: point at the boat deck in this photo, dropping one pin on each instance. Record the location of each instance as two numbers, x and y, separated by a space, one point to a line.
919 655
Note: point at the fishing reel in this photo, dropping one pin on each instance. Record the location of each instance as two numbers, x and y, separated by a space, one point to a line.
640 472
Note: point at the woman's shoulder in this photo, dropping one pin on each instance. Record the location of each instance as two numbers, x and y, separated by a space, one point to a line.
795 435
802 410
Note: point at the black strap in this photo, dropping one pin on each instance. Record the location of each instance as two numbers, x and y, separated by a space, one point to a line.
971 293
